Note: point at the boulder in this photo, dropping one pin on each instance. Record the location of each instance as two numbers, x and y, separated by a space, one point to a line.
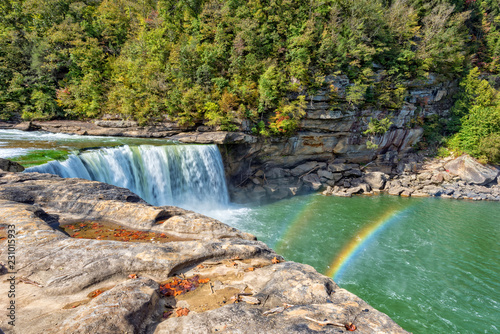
277 192
326 174
396 191
471 171
406 193
328 191
25 126
365 187
276 173
424 176
437 178
433 190
10 166
312 181
376 180
341 167
304 168
353 172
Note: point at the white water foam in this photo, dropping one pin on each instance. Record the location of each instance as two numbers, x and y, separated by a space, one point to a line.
188 176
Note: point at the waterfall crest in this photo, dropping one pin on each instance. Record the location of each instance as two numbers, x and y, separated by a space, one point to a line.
188 176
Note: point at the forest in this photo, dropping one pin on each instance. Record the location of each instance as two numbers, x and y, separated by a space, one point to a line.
222 62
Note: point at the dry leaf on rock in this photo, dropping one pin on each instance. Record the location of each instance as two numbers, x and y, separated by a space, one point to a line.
181 312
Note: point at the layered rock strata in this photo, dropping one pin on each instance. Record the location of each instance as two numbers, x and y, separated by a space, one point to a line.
70 285
332 132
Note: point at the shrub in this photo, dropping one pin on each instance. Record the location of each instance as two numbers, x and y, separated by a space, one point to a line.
378 127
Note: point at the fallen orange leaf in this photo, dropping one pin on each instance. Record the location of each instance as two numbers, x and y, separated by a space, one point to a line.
96 293
275 260
182 311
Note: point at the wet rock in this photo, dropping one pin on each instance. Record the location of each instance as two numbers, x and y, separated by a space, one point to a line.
312 181
259 192
10 166
471 171
257 180
376 180
419 194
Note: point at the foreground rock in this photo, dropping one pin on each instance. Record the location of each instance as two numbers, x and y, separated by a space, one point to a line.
71 285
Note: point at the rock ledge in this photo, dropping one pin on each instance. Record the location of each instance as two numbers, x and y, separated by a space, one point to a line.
71 285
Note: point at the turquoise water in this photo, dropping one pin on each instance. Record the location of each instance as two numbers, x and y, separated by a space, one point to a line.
432 265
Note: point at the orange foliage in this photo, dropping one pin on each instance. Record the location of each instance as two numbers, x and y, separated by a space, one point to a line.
180 286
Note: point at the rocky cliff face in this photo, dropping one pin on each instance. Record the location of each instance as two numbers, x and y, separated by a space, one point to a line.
328 150
226 280
331 146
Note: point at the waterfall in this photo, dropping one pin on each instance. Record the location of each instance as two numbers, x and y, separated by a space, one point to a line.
188 176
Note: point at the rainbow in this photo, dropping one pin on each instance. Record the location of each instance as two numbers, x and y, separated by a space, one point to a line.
304 214
357 243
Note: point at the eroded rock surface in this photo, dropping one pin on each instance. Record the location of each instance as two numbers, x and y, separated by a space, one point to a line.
58 276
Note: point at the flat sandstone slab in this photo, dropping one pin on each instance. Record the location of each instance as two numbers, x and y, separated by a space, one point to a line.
76 285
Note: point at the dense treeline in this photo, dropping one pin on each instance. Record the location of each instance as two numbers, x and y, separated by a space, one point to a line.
224 61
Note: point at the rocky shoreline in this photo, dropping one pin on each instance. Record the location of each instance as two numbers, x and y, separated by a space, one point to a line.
461 178
220 279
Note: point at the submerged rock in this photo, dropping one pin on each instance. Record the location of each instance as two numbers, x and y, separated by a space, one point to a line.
74 285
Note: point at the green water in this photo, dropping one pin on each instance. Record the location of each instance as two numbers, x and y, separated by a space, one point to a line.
433 265
36 147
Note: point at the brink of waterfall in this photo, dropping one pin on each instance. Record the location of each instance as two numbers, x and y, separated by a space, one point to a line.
188 176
